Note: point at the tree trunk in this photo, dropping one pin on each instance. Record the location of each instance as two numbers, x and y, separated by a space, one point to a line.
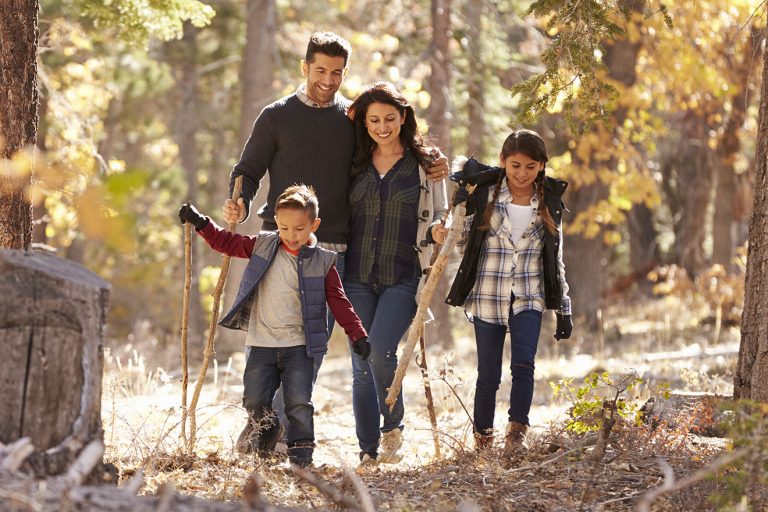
438 118
643 248
695 172
257 76
726 191
751 379
18 114
186 126
52 319
473 10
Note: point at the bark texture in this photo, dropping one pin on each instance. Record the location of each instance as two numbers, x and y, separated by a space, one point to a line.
751 379
52 318
18 114
257 78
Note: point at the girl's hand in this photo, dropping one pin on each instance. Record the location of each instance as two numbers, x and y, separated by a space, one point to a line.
188 213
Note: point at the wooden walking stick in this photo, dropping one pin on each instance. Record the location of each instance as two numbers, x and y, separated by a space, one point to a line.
185 327
208 352
422 362
417 325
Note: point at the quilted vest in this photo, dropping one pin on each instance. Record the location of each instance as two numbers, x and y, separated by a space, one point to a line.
313 265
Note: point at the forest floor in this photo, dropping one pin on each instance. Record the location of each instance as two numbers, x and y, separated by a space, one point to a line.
141 416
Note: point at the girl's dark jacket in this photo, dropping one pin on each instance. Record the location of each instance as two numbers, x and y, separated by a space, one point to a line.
465 277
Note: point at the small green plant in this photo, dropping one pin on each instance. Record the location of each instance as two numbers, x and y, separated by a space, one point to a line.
591 398
746 479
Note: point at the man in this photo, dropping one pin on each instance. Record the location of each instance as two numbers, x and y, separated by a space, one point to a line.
307 138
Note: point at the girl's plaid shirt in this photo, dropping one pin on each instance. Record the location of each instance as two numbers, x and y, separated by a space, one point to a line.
506 268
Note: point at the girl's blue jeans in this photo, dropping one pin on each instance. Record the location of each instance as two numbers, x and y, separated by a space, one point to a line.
524 331
386 313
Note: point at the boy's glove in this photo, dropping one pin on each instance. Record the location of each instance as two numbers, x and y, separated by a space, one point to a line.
188 213
362 348
564 327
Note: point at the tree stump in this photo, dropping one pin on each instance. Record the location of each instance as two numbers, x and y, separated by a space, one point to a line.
52 318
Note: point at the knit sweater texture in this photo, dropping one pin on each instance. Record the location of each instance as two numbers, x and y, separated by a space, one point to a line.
296 143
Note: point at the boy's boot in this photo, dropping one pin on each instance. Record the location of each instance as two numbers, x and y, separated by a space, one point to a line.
514 438
300 454
483 442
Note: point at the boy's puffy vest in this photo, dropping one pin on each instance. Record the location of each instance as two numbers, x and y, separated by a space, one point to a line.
313 265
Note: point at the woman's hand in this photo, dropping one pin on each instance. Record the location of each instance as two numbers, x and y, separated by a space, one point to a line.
439 233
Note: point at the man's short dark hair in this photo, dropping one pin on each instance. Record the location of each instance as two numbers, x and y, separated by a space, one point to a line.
329 44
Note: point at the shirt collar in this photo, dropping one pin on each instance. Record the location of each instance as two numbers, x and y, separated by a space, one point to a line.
301 93
506 197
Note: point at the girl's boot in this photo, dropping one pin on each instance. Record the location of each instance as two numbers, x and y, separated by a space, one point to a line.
514 438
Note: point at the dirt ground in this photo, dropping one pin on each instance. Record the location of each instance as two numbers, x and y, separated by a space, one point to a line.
141 415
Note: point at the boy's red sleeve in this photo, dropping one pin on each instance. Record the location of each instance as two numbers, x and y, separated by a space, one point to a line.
226 242
341 307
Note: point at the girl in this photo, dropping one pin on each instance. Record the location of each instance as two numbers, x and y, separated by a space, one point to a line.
396 213
511 271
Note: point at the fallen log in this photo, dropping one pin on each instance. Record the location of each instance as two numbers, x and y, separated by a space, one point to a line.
700 412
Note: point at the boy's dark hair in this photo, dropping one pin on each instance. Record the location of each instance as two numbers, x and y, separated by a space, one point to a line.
299 197
329 44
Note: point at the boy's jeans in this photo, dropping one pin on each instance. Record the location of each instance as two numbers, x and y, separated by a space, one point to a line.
524 331
278 404
265 370
386 313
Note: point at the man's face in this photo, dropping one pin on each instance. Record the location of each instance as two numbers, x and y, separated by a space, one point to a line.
295 226
324 76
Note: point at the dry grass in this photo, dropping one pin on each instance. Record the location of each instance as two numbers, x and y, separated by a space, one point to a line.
141 419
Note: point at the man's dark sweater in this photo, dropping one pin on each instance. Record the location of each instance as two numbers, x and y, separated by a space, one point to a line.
297 143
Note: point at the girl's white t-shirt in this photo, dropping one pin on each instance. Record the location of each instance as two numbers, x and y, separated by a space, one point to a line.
518 220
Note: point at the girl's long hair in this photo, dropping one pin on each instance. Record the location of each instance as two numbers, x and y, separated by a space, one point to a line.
410 138
530 144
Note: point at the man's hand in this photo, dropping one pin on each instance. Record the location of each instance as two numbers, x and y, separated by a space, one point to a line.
439 168
362 348
234 212
564 327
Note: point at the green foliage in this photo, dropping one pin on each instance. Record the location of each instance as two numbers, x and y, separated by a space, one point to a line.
747 479
587 400
575 77
138 21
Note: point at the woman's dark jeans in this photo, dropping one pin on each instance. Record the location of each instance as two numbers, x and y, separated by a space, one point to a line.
524 334
386 313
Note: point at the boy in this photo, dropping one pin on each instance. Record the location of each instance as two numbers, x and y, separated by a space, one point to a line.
281 304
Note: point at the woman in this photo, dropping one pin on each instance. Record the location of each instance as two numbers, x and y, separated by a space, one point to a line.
397 213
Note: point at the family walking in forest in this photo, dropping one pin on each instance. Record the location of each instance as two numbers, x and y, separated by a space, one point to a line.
358 196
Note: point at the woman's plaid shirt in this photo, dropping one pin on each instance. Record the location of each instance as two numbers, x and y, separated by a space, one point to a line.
506 268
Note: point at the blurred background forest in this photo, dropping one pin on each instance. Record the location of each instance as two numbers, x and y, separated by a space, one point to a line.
148 105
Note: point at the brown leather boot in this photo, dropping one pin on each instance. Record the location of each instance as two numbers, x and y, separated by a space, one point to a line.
483 442
514 438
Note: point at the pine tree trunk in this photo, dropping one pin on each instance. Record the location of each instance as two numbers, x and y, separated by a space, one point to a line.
257 76
730 144
186 126
473 11
438 118
751 379
18 114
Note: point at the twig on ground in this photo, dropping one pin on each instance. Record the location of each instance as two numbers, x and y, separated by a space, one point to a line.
325 488
366 503
670 485
16 453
